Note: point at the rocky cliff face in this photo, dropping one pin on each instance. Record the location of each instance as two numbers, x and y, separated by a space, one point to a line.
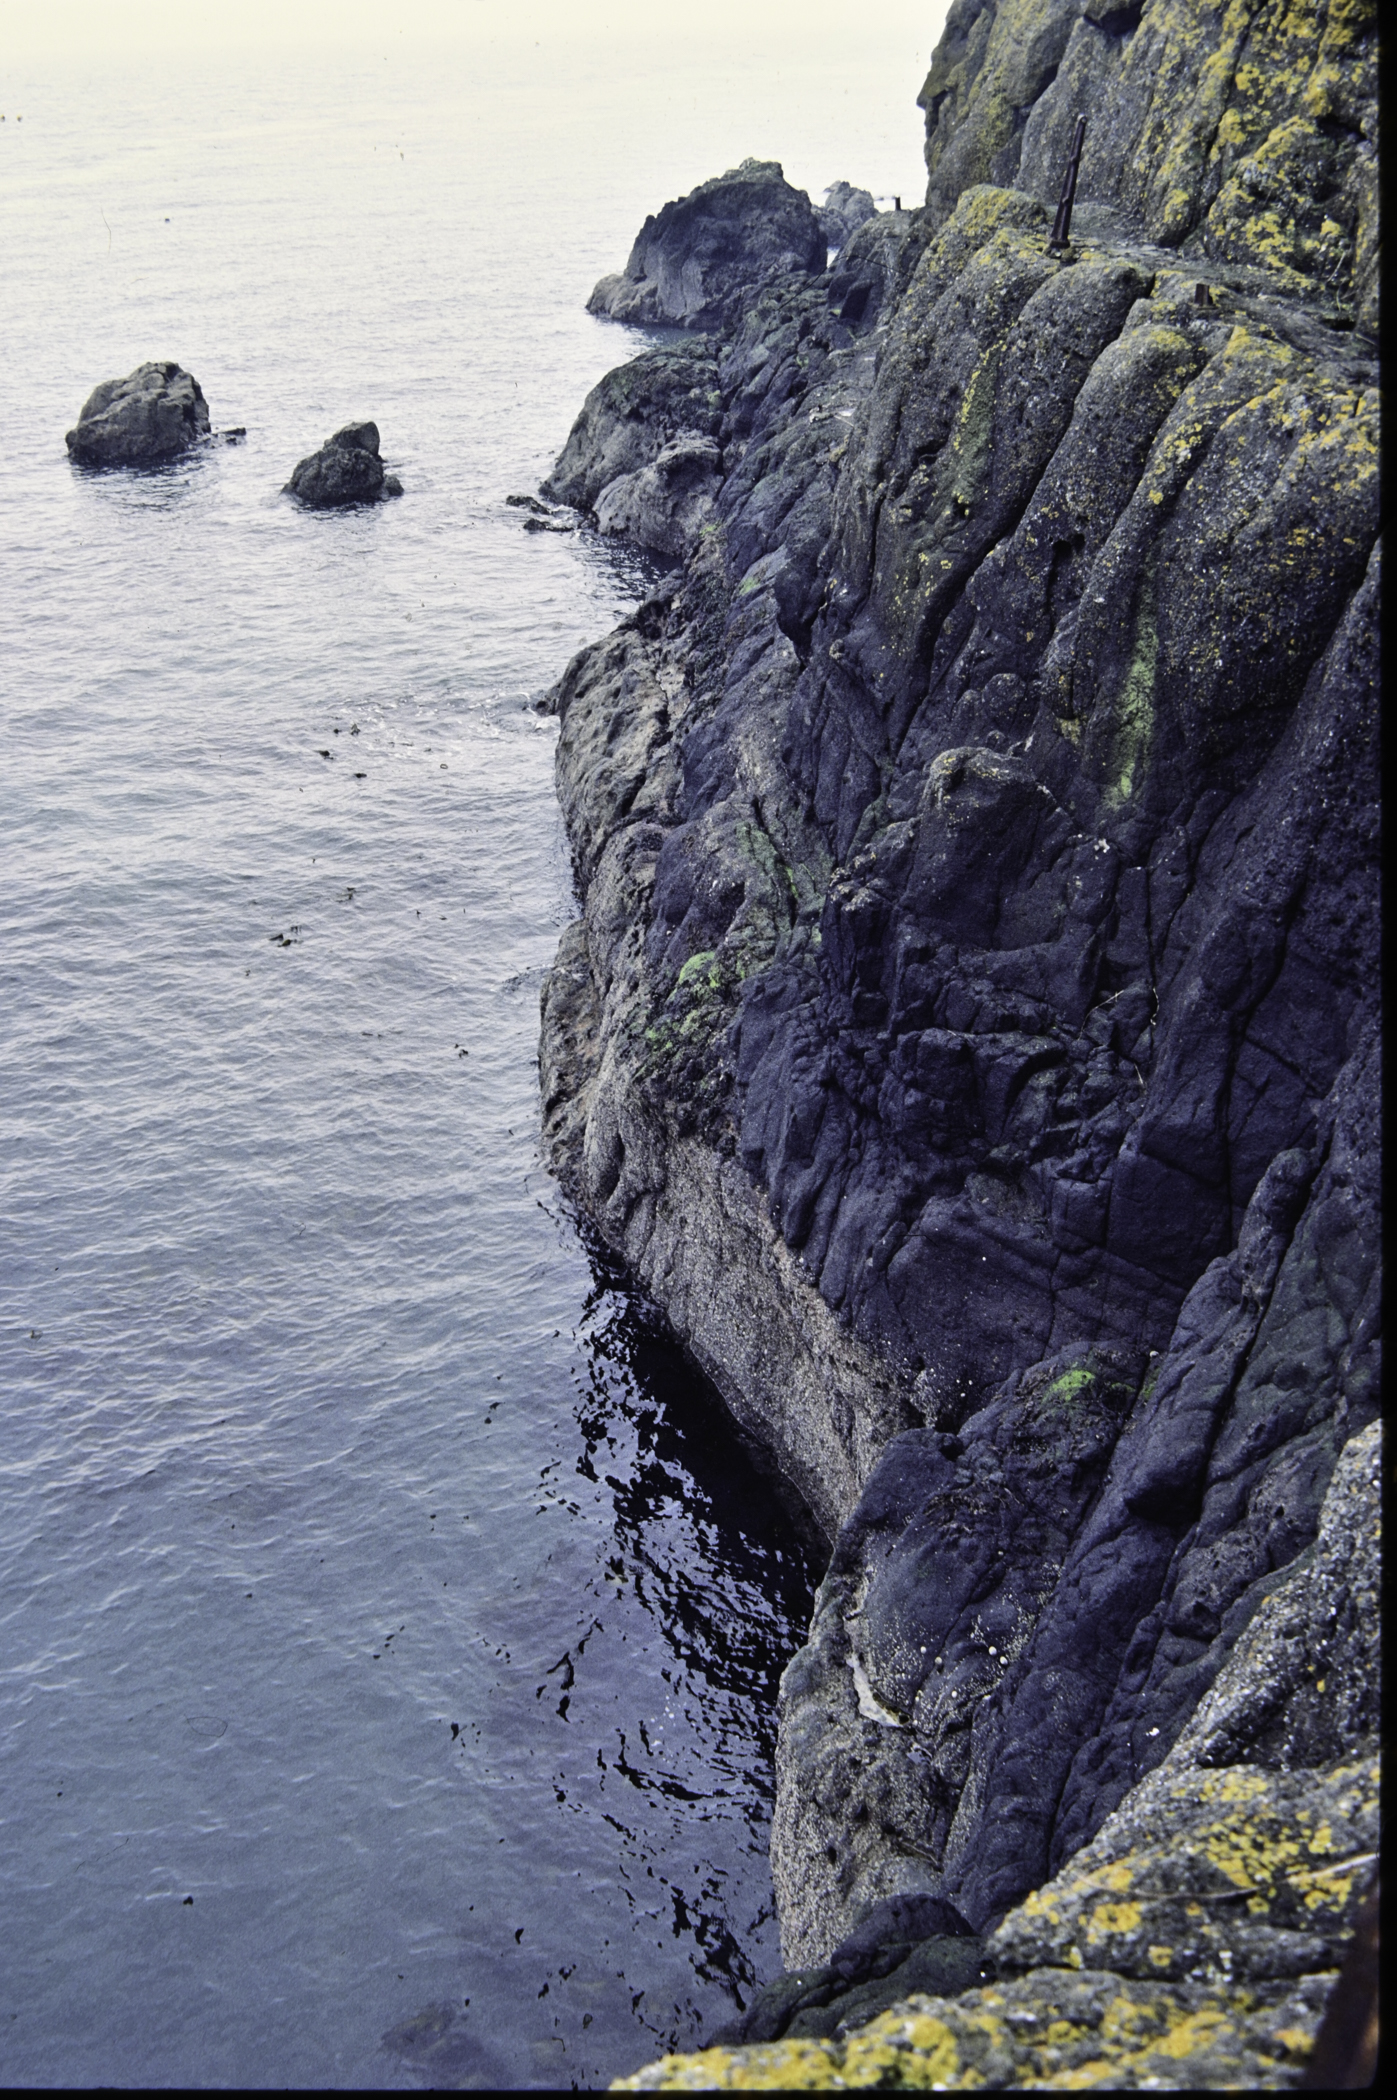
1245 132
1192 1943
970 1037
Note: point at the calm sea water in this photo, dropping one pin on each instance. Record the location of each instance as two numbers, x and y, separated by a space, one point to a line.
389 1626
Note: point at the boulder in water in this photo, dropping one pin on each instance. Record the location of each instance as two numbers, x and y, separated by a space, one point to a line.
696 259
153 414
347 469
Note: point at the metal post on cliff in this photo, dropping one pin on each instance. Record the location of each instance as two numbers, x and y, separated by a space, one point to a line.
1062 224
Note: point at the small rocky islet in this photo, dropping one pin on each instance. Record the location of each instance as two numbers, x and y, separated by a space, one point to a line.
971 1035
151 416
158 413
694 262
346 470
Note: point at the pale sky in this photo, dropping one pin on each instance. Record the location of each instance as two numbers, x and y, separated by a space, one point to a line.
76 26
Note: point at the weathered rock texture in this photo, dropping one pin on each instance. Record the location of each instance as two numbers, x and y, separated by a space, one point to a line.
151 415
1194 1941
1243 132
693 262
907 1944
667 404
347 469
843 212
666 504
971 1034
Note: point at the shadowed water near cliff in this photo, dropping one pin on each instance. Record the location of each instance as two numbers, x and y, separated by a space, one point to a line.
390 1625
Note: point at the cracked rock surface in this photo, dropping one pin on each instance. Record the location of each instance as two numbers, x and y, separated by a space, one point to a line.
971 1034
1193 1943
693 261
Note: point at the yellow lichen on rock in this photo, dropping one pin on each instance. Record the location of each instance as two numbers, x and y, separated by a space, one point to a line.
1216 1904
1218 1871
1247 131
1073 2033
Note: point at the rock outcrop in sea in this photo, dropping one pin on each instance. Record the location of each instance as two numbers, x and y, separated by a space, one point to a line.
693 262
666 504
971 1034
347 469
152 415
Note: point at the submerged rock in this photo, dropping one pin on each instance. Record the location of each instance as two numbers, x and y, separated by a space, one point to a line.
693 261
153 414
347 469
542 517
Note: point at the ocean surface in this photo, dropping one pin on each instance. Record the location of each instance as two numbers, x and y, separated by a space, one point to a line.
389 1622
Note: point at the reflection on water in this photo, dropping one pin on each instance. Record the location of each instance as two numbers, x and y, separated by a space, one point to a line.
657 1720
161 485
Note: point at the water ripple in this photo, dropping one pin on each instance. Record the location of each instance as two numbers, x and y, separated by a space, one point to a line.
390 1626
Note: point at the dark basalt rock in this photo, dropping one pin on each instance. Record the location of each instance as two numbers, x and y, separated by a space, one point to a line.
1289 181
693 262
643 457
971 1035
542 517
807 2004
631 415
988 825
843 212
667 504
897 1923
155 413
865 269
347 469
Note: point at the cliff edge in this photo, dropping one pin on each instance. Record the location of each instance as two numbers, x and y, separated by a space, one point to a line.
970 1037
